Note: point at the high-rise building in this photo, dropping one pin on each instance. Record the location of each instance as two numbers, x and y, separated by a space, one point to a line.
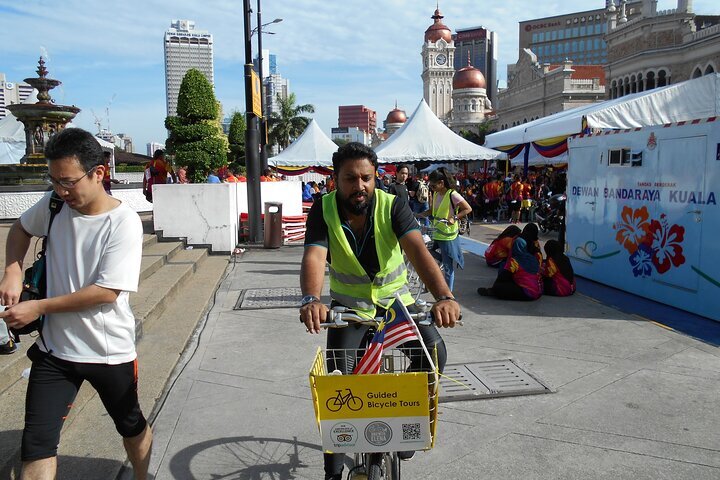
438 55
11 93
478 45
350 134
358 116
185 48
152 146
273 83
579 37
269 64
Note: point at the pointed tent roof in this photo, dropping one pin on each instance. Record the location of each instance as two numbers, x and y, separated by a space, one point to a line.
311 149
425 138
689 100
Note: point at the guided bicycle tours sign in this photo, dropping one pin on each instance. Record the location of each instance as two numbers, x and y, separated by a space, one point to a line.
372 413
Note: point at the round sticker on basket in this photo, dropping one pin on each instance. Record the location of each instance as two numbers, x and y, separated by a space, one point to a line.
378 433
344 435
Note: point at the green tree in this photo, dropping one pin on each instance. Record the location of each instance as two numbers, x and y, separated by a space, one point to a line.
478 137
288 124
196 138
236 137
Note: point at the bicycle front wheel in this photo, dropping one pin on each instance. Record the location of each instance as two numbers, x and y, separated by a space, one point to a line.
375 466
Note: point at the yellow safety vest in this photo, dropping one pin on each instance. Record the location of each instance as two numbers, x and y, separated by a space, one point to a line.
350 284
443 231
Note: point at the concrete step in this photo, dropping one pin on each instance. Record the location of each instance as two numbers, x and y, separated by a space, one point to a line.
164 288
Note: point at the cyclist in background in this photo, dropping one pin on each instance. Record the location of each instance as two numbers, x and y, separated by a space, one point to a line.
361 230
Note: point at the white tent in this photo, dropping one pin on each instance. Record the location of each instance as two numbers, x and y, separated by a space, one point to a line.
425 138
689 100
311 149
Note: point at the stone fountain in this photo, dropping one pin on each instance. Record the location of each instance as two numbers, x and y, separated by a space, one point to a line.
41 119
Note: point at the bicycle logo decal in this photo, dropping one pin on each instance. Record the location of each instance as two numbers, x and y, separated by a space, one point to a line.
336 403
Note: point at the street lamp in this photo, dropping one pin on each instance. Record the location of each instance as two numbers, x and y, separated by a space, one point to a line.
252 160
263 120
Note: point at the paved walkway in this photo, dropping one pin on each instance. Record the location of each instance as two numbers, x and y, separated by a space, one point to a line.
631 400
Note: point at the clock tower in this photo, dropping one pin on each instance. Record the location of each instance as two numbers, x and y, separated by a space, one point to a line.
438 54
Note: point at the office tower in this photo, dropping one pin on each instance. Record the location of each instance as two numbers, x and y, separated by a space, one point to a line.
11 93
481 44
358 116
185 48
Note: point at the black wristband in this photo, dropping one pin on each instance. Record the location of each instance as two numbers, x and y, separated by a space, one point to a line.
446 297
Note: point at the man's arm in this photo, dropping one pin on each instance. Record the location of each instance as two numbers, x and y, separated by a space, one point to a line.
446 312
87 297
18 242
312 276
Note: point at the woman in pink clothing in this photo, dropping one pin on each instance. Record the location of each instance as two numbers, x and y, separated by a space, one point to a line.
557 272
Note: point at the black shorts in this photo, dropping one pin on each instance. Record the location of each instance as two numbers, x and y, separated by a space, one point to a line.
52 389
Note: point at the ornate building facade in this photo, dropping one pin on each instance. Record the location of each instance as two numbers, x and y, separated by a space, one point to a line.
438 56
659 47
540 90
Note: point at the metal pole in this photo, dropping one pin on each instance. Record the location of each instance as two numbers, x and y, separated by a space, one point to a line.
252 160
263 120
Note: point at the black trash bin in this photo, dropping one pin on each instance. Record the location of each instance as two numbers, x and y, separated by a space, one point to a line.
273 225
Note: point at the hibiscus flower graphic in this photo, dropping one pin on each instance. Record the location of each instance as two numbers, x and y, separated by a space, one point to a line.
641 261
633 229
665 243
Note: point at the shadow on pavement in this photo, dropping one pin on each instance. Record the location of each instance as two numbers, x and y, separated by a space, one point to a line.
249 458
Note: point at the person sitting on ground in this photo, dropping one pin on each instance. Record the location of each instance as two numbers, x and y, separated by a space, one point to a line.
499 249
520 278
557 272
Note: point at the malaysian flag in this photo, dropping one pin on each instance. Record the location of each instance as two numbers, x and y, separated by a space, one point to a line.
395 329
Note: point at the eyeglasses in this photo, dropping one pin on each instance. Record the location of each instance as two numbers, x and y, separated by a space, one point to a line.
437 185
68 184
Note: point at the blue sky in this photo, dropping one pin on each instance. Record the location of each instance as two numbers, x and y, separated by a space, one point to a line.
334 52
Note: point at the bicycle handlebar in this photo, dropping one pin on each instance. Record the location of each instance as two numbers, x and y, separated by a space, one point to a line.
340 317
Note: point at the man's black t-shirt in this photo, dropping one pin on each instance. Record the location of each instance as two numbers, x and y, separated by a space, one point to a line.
400 190
403 222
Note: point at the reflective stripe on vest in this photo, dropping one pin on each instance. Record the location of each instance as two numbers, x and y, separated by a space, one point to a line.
350 285
443 231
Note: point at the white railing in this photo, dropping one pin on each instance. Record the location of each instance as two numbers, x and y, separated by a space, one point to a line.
705 32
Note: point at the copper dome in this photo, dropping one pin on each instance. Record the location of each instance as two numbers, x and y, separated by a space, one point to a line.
469 77
396 116
438 30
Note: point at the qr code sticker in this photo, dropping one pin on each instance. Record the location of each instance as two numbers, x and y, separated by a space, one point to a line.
411 431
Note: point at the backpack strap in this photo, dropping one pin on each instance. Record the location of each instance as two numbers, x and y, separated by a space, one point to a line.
56 204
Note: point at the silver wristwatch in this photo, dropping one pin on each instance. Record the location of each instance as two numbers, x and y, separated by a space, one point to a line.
308 299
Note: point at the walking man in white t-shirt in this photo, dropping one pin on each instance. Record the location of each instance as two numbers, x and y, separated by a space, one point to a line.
93 262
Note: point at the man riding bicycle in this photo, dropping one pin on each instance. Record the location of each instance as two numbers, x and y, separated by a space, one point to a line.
362 231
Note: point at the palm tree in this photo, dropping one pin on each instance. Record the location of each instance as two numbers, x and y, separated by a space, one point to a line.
288 124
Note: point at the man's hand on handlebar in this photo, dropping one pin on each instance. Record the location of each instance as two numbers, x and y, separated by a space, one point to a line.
312 315
446 313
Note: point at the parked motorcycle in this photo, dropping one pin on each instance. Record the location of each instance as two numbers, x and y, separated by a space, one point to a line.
550 215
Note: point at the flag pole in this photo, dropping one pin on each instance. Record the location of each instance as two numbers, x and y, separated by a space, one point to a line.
417 332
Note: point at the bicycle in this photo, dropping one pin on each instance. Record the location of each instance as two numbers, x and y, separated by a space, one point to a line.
341 430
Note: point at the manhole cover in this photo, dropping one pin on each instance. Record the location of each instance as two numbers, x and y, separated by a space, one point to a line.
258 298
496 378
